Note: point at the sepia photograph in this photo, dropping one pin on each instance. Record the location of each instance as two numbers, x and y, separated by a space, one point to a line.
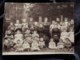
38 28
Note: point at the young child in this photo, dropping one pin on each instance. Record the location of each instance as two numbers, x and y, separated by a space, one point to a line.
52 44
35 46
29 40
27 33
18 47
26 46
35 34
67 43
41 43
60 44
11 26
71 36
65 24
24 25
6 44
18 25
8 34
18 36
64 35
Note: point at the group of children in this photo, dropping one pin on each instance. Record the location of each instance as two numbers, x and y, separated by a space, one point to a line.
27 36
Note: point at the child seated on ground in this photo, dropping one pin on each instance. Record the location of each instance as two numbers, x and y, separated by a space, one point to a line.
71 36
26 46
64 35
18 47
67 43
52 44
29 40
60 44
41 43
35 46
6 44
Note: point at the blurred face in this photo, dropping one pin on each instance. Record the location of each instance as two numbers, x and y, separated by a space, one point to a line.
67 40
72 21
51 40
53 22
64 30
11 23
18 32
41 25
8 39
8 31
40 19
46 19
17 21
66 19
31 19
28 31
35 23
24 20
18 41
41 39
29 38
57 19
35 32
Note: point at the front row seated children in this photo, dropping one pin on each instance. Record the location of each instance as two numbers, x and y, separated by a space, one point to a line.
41 43
35 46
52 44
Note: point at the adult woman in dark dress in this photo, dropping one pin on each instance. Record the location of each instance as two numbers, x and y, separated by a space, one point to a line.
56 34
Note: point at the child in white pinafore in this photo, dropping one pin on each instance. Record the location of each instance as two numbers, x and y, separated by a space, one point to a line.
52 44
18 36
41 43
64 35
26 46
35 46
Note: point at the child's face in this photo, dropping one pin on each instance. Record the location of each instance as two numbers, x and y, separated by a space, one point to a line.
28 31
64 30
72 21
8 39
29 38
46 19
11 23
18 32
66 19
67 40
35 32
41 39
53 22
9 32
57 19
31 19
17 21
24 20
18 41
51 39
41 25
36 23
